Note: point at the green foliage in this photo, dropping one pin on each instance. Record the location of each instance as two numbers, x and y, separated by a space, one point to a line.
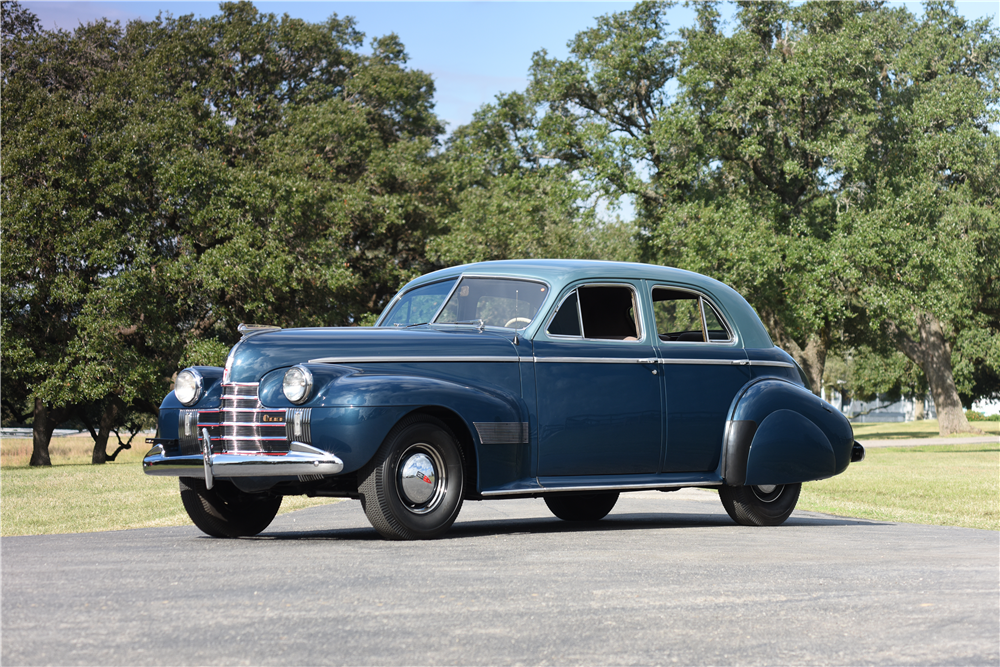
835 162
509 201
165 181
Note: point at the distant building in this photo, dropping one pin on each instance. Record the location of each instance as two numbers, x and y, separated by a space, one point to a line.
903 410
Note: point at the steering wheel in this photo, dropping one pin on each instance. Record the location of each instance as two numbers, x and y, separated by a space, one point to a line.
516 320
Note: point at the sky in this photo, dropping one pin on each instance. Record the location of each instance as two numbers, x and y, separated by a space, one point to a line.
473 50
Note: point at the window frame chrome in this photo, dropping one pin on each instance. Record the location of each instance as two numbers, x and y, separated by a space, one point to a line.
703 299
636 306
463 276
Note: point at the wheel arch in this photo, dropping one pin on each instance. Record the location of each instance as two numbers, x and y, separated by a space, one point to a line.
458 426
781 433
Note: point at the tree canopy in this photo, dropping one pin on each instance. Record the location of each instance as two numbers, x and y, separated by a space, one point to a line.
166 180
812 155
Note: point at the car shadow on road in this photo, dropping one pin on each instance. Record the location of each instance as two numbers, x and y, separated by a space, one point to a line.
550 525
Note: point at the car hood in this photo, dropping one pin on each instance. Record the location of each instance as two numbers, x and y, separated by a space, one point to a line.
261 353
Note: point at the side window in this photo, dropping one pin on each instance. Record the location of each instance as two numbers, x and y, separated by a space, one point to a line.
418 305
686 317
607 312
566 321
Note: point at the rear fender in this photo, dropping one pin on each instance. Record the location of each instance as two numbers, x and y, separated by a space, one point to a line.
781 433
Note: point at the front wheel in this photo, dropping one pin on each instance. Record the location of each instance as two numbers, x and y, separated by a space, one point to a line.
582 507
224 510
761 505
412 489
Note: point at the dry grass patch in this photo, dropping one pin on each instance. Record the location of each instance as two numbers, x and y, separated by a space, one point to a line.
73 496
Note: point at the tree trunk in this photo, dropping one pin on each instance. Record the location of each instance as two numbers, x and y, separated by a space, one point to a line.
933 354
812 358
46 420
918 408
108 416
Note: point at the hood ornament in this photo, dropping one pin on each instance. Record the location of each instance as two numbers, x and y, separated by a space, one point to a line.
253 329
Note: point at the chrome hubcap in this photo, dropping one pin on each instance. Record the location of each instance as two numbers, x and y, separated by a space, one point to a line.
768 493
420 479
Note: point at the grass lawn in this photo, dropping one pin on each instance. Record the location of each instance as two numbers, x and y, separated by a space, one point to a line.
944 485
74 496
947 485
927 428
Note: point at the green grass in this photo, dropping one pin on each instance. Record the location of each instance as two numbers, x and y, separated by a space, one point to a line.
943 485
947 485
74 496
921 429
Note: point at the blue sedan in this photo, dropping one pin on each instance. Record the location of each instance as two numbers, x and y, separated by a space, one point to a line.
573 381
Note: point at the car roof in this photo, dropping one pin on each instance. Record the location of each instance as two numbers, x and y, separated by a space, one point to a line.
559 273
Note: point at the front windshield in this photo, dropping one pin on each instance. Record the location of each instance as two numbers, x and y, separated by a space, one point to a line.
495 302
418 305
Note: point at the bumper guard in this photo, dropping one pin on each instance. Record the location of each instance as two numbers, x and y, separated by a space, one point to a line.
301 459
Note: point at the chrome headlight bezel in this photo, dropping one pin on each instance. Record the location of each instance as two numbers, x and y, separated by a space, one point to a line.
189 386
297 384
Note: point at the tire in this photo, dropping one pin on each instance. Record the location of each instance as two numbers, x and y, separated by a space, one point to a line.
413 487
760 505
224 510
581 507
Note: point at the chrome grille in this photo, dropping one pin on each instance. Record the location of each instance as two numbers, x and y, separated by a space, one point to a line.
243 425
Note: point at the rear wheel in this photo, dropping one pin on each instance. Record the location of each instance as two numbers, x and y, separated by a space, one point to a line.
224 510
412 489
762 505
582 507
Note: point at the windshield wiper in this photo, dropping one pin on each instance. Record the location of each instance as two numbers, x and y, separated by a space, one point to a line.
478 323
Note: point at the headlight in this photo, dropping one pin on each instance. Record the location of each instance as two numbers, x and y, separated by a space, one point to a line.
187 387
298 383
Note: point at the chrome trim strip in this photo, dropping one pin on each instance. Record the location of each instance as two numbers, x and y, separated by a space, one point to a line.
616 487
593 360
704 362
779 364
280 424
302 459
409 360
297 425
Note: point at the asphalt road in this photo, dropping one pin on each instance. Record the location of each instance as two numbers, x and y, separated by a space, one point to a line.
666 578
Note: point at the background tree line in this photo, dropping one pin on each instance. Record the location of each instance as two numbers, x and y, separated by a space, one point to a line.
163 181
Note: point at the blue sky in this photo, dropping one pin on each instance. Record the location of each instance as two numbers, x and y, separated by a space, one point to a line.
474 50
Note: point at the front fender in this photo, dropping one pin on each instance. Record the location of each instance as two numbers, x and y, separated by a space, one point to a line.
781 433
352 410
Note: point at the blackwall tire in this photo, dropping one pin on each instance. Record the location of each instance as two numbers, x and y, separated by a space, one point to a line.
581 507
760 505
224 510
413 487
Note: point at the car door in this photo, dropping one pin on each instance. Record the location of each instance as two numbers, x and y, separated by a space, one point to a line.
704 366
597 385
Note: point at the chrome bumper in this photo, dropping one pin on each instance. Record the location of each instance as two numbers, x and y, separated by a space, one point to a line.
301 459
857 452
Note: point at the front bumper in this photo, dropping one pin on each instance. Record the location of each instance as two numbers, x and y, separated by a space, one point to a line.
301 459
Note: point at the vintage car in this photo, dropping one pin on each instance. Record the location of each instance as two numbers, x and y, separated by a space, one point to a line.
568 380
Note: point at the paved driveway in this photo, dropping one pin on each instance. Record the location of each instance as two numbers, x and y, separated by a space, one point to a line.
666 578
